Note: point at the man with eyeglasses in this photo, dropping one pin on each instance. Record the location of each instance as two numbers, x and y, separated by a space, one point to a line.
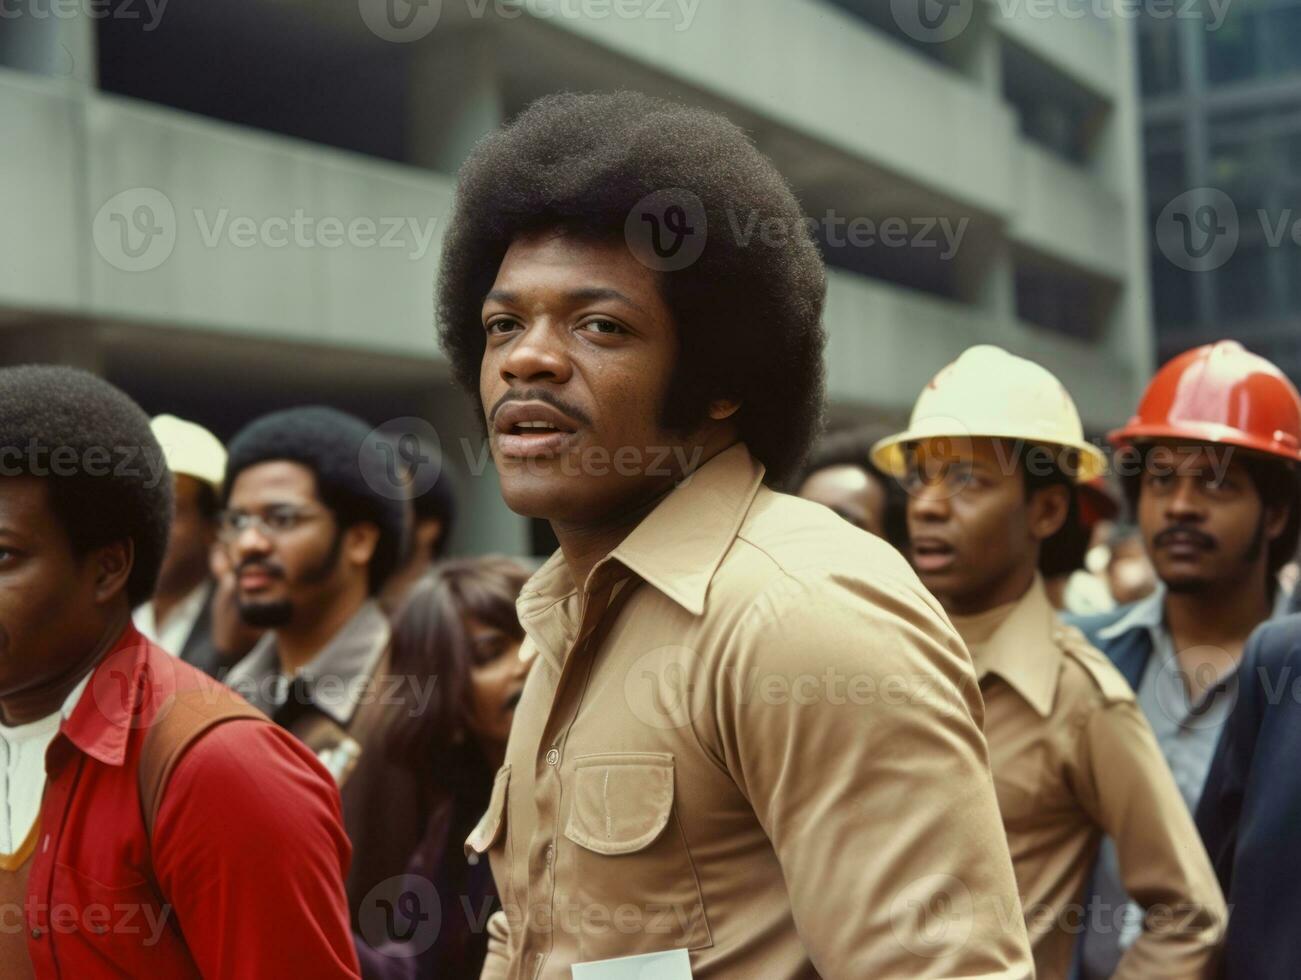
313 532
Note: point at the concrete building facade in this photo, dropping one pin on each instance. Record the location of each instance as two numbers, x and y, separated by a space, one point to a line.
1222 120
230 208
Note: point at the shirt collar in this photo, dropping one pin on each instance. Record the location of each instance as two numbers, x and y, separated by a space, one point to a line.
679 546
1148 613
1023 651
183 615
676 548
122 697
336 676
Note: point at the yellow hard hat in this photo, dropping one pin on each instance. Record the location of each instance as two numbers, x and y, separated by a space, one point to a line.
989 393
191 449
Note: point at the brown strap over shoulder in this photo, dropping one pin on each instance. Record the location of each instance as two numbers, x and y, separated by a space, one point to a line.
179 723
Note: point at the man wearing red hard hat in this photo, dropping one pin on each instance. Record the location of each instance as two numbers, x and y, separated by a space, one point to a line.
1209 465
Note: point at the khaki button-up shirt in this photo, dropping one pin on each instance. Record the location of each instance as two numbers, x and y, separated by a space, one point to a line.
1074 759
753 735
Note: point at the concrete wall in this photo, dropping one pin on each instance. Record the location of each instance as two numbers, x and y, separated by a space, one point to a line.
131 228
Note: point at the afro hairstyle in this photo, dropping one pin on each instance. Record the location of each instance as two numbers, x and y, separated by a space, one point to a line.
107 478
336 447
748 311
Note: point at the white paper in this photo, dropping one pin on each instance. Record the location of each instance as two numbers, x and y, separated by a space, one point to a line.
674 964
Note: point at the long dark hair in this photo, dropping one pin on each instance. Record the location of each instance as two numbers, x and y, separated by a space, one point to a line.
430 641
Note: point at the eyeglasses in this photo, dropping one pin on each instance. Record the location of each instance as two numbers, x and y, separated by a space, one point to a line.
271 523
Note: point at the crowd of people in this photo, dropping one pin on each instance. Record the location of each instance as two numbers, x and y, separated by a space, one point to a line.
970 698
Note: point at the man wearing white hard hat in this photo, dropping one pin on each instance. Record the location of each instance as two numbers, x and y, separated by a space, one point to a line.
990 461
178 616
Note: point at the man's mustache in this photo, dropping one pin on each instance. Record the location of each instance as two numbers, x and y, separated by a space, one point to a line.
539 395
275 571
1184 535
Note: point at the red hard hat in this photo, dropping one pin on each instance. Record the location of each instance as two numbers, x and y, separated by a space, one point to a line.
1220 393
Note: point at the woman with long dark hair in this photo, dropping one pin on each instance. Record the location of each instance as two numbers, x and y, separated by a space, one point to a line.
457 626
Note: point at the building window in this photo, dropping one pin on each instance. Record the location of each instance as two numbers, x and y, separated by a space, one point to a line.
273 67
1158 57
1054 297
1052 110
1261 40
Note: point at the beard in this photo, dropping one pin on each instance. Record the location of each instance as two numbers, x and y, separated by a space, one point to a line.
279 612
266 615
1187 586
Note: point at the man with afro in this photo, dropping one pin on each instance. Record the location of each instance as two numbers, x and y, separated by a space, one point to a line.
151 823
751 743
313 529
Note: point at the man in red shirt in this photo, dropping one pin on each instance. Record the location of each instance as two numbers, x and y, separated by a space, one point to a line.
150 823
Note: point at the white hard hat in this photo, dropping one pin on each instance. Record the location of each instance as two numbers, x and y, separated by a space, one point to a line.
989 393
191 449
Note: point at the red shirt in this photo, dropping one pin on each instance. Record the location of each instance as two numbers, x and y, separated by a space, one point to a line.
245 875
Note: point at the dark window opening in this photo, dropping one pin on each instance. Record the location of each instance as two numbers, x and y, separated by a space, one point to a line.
267 66
1052 111
1055 298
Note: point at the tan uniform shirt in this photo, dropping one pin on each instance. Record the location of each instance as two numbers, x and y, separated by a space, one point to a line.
769 754
1074 759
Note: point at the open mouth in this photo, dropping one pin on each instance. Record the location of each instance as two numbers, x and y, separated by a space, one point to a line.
532 430
932 555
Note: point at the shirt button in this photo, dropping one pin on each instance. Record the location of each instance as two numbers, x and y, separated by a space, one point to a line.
553 759
37 933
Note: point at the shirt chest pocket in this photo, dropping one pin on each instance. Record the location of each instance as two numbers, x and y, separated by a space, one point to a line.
115 925
633 878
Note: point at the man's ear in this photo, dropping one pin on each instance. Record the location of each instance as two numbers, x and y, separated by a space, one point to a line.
1276 519
112 564
360 542
1049 508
